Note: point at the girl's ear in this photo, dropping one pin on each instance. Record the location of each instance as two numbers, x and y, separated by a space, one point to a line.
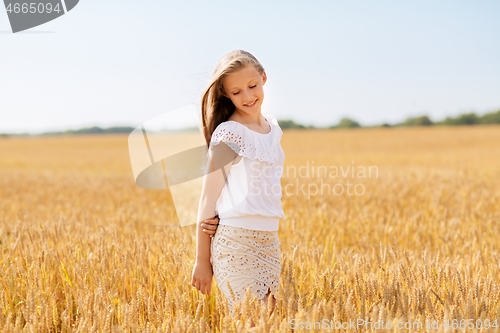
264 78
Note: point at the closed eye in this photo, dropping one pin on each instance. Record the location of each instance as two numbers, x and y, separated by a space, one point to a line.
250 87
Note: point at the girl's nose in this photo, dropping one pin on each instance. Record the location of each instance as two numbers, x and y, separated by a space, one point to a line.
248 96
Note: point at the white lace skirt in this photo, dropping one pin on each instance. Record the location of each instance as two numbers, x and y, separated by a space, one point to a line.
245 258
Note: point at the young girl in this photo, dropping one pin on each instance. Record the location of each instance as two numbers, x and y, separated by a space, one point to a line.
243 185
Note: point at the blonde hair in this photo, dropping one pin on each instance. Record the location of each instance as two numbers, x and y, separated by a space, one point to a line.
215 107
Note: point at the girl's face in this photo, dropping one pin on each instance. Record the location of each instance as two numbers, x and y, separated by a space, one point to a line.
245 89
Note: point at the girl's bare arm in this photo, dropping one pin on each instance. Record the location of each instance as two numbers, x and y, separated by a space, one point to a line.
213 183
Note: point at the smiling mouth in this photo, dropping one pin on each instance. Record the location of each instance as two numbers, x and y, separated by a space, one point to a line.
251 104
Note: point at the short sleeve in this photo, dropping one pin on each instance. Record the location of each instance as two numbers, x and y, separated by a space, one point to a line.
230 135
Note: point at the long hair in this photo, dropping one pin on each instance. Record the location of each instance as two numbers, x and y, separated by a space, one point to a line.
215 107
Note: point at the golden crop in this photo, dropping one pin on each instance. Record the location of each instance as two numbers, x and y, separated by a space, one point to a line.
83 248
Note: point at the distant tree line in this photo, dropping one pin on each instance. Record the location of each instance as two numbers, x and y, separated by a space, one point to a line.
95 130
344 123
86 130
463 119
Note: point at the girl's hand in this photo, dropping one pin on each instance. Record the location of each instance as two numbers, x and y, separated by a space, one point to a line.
202 276
210 226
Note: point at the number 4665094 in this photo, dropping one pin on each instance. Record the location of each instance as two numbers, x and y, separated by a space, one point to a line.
33 8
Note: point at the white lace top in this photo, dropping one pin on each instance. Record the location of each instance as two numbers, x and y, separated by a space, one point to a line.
251 197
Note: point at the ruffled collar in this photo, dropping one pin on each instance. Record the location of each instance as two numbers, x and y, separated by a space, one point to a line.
267 120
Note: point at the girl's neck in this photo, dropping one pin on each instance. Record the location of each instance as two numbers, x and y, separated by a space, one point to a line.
256 120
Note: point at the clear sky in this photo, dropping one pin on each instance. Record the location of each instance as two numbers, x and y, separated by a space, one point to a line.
124 62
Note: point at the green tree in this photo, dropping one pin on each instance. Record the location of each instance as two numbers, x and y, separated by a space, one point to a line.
463 119
287 123
417 121
346 123
490 118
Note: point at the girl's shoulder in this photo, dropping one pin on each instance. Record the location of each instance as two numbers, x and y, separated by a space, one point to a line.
248 143
227 131
273 121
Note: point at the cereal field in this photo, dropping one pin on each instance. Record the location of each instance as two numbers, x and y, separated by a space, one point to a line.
83 248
